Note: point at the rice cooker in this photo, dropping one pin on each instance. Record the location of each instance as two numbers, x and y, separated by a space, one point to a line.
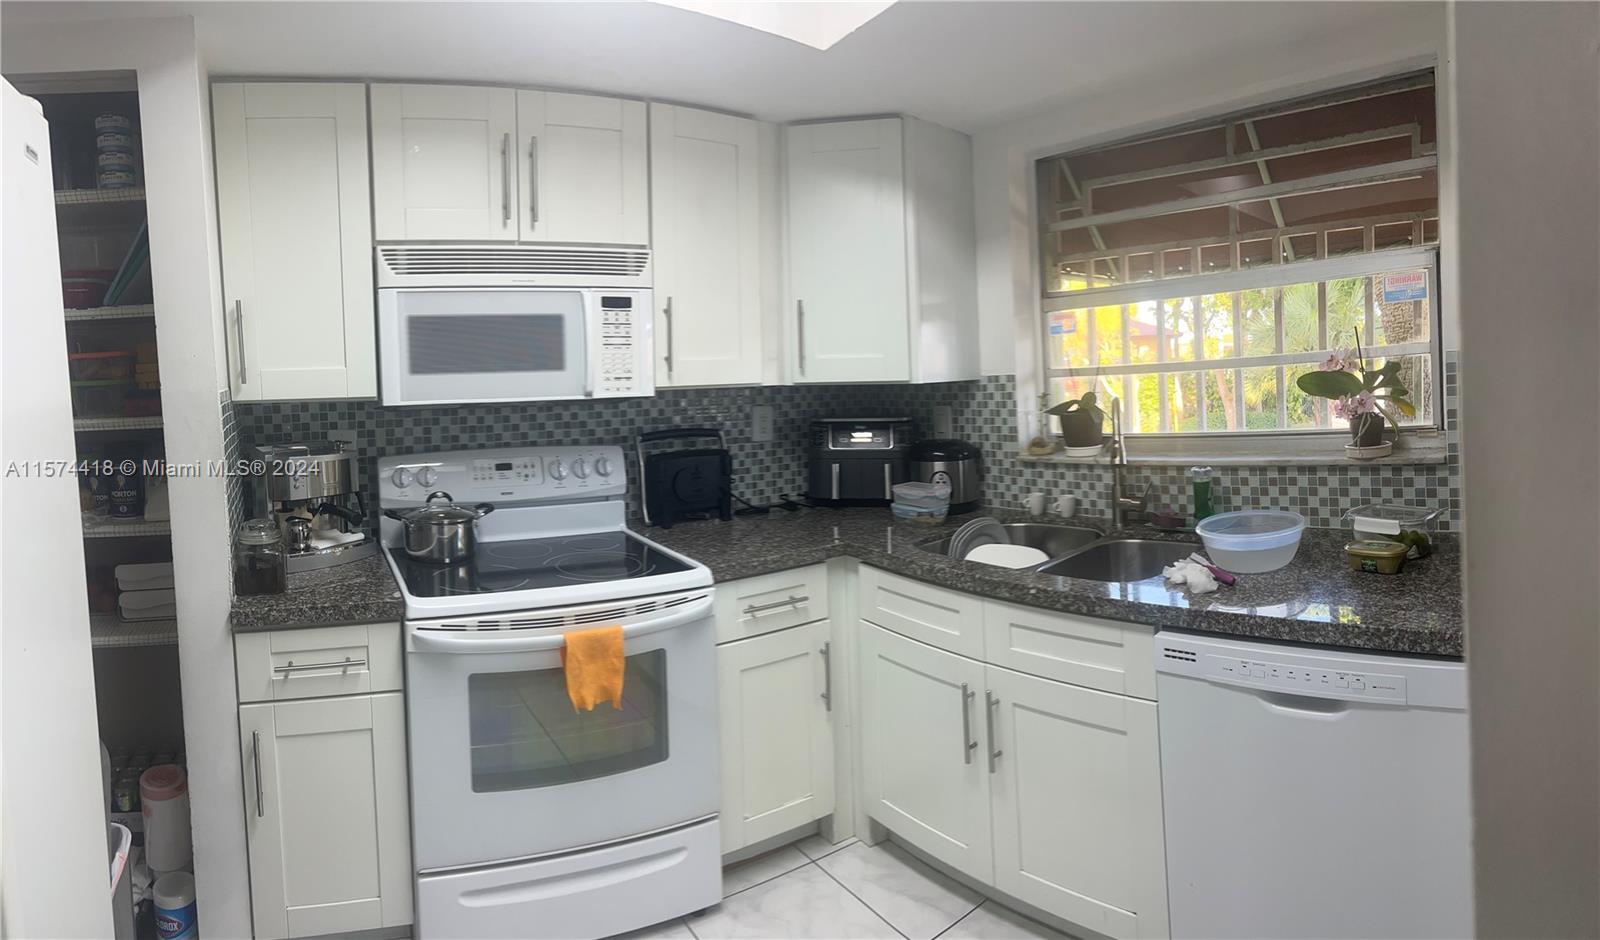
956 463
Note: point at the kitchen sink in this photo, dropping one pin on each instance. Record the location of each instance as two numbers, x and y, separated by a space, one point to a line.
1119 560
1051 538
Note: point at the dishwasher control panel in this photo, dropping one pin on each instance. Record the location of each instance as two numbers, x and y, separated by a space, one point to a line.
1307 680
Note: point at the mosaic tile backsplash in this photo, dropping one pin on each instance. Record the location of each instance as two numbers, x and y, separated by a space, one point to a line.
982 411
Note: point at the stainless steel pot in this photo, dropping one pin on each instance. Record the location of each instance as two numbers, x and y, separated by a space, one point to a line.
441 533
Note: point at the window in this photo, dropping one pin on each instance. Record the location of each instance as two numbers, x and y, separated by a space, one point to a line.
1194 274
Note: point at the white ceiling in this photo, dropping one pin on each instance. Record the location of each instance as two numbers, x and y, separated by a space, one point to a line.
966 65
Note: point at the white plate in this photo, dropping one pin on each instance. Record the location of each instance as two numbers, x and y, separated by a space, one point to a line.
1007 556
1084 451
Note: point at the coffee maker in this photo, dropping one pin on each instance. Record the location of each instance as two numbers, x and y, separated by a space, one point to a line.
312 490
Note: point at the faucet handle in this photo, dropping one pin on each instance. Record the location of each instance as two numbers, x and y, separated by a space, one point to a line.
1149 491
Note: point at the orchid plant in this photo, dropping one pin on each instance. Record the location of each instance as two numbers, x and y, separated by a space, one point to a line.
1360 394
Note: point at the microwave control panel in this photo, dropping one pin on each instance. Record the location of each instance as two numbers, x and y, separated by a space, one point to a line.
625 366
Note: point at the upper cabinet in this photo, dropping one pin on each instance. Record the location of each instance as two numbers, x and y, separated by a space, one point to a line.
881 253
444 163
296 236
706 242
465 163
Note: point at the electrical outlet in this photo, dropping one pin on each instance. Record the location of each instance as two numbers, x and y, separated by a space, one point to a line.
944 424
761 423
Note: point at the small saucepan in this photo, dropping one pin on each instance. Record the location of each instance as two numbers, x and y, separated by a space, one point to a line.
440 531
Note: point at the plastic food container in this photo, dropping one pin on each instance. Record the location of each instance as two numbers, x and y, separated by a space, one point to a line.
84 288
1412 526
99 398
1252 541
925 515
111 364
1378 555
922 495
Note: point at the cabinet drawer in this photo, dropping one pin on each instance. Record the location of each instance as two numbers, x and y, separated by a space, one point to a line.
949 620
312 662
1098 654
769 602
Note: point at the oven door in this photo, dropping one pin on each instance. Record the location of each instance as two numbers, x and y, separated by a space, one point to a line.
450 345
503 766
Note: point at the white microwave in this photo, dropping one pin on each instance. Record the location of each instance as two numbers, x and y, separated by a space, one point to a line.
443 345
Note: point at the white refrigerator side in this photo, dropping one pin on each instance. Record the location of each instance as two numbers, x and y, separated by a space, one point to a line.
54 880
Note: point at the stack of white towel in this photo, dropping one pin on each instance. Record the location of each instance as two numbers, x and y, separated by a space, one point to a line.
146 592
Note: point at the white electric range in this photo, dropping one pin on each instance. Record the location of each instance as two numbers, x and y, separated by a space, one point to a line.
531 819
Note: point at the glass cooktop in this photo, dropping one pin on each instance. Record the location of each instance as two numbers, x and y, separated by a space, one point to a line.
529 564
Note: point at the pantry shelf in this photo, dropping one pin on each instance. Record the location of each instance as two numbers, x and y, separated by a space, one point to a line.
124 312
87 208
132 528
116 424
85 197
109 630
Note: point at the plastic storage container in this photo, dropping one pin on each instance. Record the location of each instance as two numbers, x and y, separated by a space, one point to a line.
921 502
99 398
164 803
1412 526
1252 541
110 364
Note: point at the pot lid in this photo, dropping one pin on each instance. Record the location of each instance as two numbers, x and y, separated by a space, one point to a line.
440 509
258 532
943 449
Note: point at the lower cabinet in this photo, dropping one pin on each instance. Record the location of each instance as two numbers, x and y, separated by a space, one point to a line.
1050 792
775 702
326 814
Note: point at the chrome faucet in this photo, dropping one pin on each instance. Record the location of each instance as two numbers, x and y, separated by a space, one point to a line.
1122 505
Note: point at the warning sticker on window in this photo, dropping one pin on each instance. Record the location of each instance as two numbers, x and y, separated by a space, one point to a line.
1063 323
1407 285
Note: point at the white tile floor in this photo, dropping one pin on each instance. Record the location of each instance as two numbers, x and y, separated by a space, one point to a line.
815 891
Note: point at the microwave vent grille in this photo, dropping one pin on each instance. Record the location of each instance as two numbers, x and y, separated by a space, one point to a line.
513 260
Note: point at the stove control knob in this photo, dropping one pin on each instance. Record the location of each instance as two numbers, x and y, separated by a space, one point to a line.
427 477
580 469
558 470
602 466
401 477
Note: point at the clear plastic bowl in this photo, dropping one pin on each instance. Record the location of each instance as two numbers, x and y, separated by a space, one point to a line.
922 495
922 514
1252 541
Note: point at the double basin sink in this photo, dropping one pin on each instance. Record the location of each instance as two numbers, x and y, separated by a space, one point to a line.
1079 552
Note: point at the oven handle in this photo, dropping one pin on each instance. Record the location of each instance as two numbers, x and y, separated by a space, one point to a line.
452 641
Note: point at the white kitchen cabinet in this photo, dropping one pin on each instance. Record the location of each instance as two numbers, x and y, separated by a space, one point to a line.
925 771
296 238
444 163
881 252
583 169
706 246
775 701
326 814
1077 803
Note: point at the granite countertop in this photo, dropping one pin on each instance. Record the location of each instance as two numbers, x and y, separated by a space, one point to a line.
1316 599
361 591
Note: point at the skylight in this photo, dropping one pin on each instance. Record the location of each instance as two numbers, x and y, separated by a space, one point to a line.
819 25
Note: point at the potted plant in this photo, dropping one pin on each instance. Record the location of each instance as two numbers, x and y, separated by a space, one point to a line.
1362 395
1082 421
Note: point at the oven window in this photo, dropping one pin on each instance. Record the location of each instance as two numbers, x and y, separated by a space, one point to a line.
526 734
486 343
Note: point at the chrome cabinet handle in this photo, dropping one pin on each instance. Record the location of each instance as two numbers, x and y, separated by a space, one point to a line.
505 180
967 743
827 674
255 756
533 180
667 314
794 600
238 329
992 702
800 334
292 667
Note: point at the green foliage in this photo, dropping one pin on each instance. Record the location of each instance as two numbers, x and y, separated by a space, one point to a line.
1086 404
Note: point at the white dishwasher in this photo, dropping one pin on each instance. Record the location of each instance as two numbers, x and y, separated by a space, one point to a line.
1312 793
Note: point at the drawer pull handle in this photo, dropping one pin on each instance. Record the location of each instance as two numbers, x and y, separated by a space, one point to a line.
793 600
827 674
345 666
967 743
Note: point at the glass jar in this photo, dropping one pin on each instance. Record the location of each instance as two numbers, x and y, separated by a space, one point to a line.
260 562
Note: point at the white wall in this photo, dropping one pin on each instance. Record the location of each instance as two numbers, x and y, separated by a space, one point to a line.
54 879
1391 38
1527 93
173 104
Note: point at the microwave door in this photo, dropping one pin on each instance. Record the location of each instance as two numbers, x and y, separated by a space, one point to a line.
463 345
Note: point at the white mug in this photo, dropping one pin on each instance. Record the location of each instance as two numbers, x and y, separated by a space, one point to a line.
1035 504
1066 504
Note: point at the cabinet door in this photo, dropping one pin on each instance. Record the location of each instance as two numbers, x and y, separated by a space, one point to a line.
444 162
583 165
1077 804
296 236
325 815
705 211
774 698
847 252
925 768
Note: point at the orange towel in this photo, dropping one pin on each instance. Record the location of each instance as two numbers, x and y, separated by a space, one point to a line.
593 662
